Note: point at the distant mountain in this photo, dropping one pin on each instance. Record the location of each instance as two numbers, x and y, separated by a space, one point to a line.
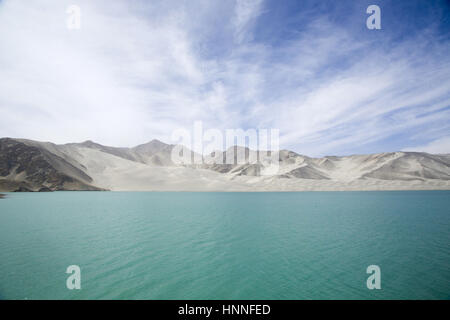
27 165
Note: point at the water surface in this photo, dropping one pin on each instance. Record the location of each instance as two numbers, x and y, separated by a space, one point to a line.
181 245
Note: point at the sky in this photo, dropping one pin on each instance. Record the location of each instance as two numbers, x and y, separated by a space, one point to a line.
139 70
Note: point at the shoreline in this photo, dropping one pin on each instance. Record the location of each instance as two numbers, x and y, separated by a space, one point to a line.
244 191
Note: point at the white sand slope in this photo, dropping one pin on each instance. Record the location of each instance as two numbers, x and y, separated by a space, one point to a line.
149 167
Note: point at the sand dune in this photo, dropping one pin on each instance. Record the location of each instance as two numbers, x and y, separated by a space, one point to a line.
148 167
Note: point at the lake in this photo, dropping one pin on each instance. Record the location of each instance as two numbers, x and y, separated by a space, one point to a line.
219 245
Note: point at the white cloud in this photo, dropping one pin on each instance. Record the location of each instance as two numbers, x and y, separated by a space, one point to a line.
135 72
441 145
246 11
118 80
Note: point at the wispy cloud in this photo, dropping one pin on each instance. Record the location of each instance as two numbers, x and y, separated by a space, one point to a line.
246 12
137 71
441 145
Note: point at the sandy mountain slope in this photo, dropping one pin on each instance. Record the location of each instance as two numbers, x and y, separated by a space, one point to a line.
26 167
32 165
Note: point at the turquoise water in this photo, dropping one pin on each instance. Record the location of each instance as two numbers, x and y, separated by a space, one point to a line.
169 245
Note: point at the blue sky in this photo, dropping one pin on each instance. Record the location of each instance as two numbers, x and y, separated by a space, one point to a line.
140 70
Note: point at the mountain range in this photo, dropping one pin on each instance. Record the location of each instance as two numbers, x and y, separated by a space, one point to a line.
27 165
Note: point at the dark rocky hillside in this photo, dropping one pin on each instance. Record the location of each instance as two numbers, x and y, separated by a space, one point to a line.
29 168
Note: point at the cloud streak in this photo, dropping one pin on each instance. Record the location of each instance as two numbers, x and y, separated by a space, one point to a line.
135 72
